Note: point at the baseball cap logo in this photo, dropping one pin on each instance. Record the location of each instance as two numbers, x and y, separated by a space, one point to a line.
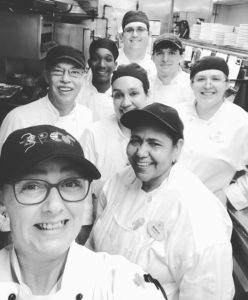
29 140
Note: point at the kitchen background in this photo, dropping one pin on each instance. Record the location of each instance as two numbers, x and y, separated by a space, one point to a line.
28 28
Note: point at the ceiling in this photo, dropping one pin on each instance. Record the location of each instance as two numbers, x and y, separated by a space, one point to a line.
230 2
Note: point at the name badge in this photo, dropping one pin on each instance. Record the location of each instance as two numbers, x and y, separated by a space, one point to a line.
156 230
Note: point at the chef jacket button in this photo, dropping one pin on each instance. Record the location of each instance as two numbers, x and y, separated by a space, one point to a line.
79 296
12 297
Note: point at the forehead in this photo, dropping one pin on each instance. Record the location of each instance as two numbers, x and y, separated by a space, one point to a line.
136 24
210 72
102 52
126 82
66 64
51 166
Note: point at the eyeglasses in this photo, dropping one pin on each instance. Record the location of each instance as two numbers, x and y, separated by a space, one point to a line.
35 191
139 30
213 79
75 73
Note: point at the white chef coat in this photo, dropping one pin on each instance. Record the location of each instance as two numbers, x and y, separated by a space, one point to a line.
100 104
105 146
147 62
96 276
179 232
40 112
178 91
215 149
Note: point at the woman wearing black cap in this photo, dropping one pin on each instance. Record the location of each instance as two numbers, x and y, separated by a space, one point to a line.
156 213
216 133
96 88
105 142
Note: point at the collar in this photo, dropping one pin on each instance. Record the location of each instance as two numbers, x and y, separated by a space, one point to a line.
52 109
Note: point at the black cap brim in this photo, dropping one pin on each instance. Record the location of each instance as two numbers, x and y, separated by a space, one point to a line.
135 117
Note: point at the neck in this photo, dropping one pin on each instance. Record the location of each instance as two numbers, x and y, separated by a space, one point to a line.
63 109
156 182
39 275
101 87
206 114
126 131
135 55
167 78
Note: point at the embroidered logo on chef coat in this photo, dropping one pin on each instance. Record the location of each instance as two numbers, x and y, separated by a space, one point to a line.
138 223
156 230
216 136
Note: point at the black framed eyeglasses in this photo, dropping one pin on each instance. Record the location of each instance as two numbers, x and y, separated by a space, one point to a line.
74 72
34 191
139 30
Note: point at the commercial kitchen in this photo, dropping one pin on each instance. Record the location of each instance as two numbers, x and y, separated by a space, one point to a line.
29 28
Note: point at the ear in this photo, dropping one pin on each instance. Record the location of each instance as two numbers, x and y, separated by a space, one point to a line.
46 76
177 149
4 219
89 63
115 65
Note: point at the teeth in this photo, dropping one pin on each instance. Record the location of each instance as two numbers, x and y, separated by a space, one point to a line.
49 226
143 164
64 89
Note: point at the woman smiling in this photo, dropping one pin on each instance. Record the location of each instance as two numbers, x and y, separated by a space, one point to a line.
156 213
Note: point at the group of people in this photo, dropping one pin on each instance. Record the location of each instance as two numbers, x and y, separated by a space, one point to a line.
135 160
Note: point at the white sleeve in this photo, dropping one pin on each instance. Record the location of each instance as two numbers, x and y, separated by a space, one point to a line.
208 275
88 145
237 192
9 124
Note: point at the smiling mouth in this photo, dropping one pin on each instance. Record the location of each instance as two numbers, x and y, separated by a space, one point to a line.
207 93
65 89
142 165
51 226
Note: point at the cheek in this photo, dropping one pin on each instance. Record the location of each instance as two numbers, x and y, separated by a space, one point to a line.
140 101
130 150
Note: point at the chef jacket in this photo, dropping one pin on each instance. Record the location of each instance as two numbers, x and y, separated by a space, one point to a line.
177 91
100 104
87 275
40 112
179 232
105 146
217 148
146 63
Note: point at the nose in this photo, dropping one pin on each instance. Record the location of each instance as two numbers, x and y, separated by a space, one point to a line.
142 150
165 56
126 102
65 77
53 204
135 32
102 63
208 83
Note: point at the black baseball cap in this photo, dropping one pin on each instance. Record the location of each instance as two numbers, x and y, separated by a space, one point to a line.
63 52
26 147
164 114
135 16
167 40
209 63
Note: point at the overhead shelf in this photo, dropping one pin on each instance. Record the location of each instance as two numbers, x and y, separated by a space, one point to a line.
240 52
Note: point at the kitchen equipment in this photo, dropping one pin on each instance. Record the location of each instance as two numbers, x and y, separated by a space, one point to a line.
28 36
8 91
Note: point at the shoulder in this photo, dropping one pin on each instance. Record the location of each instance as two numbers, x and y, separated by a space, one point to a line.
5 272
82 108
104 128
198 205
